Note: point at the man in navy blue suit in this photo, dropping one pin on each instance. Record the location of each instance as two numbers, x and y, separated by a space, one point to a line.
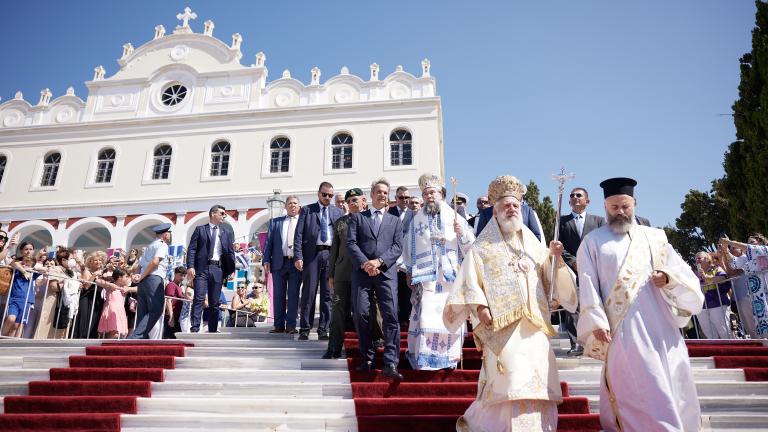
314 236
375 240
210 261
278 260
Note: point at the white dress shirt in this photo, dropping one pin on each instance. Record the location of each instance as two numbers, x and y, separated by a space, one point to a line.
288 248
216 242
579 219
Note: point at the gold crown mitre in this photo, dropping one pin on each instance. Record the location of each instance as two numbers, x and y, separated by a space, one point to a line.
504 186
429 180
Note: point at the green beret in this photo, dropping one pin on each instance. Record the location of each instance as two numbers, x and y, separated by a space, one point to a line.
353 193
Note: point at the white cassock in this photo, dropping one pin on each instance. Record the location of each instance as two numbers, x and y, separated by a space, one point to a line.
647 382
519 387
432 254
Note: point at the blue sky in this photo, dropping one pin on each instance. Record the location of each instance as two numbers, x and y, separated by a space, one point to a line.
604 88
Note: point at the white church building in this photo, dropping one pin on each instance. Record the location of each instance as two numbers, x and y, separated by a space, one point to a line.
183 124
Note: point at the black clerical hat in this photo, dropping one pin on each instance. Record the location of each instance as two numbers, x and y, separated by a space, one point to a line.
618 186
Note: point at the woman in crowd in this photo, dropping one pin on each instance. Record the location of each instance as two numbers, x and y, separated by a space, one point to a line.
259 303
714 318
241 307
60 274
91 300
113 323
132 261
22 295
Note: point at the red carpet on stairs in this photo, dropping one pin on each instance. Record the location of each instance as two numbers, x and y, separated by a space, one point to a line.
91 394
749 355
433 400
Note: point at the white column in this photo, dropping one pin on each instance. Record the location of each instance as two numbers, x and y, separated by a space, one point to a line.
60 237
241 228
119 234
180 229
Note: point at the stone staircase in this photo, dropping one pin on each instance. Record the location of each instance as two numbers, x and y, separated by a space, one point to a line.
250 380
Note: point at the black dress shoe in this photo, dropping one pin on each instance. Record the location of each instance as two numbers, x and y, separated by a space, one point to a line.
331 355
390 371
291 330
277 330
304 336
321 335
365 367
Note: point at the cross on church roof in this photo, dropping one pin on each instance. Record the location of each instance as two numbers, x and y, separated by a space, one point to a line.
186 16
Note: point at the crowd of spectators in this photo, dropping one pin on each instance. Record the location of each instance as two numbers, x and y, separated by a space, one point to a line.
66 293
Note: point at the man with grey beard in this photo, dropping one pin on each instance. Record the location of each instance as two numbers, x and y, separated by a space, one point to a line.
433 248
635 294
502 286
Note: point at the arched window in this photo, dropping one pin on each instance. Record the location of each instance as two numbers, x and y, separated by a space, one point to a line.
279 155
161 166
105 165
50 169
220 159
341 151
400 148
3 162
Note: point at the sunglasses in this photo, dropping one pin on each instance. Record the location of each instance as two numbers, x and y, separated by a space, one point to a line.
3 238
326 195
577 195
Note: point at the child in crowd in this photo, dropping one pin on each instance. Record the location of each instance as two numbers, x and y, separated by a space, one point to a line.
22 295
114 322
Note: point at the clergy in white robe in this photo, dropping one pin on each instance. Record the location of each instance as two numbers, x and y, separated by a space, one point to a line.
433 248
636 293
503 286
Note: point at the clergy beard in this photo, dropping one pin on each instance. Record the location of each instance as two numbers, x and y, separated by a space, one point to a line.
620 224
510 224
432 208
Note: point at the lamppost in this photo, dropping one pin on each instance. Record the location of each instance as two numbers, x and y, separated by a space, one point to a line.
276 204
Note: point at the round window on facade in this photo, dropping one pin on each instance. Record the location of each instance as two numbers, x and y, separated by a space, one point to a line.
173 95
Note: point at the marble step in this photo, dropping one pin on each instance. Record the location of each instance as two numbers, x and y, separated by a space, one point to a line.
198 343
289 408
699 374
707 388
710 405
250 363
751 422
249 388
233 423
306 352
277 375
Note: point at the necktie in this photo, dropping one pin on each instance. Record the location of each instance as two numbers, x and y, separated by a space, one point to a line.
324 225
376 221
580 223
291 233
214 235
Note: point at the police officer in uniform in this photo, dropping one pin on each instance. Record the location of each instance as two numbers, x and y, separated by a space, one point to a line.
151 291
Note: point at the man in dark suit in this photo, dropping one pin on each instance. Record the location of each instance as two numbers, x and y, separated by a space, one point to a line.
375 240
278 260
482 204
530 219
313 240
210 261
403 197
573 228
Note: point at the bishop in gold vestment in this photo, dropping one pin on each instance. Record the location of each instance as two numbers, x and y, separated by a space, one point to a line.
503 286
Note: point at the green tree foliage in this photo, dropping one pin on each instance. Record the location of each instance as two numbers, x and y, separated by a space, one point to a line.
544 209
746 162
702 221
738 203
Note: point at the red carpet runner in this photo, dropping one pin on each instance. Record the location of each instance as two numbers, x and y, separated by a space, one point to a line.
94 391
432 401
